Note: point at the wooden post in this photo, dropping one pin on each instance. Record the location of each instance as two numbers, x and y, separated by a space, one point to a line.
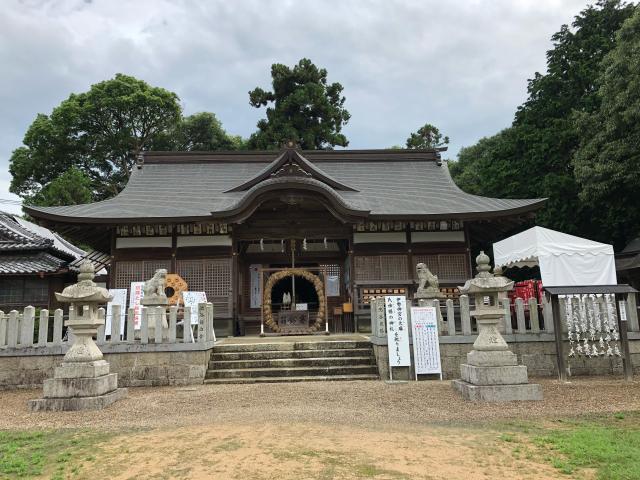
451 318
27 327
533 315
102 334
436 304
522 325
115 323
557 325
624 340
173 319
506 307
632 313
131 325
157 318
58 319
186 327
547 314
43 328
144 326
3 329
465 317
12 329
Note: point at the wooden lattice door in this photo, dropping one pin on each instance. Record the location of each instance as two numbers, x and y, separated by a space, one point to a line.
212 276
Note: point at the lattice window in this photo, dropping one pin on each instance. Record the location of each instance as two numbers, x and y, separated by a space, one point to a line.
212 276
137 271
448 267
381 267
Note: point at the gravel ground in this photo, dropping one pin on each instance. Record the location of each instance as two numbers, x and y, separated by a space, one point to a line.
363 403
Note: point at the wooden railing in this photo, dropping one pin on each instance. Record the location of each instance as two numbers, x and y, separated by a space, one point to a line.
519 318
31 329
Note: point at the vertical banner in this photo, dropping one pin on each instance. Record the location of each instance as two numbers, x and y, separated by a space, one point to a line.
192 299
426 347
136 292
397 331
119 298
256 287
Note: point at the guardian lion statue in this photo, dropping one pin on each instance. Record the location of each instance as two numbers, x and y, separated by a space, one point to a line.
153 289
426 279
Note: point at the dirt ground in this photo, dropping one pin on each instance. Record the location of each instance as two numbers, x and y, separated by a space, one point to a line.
317 430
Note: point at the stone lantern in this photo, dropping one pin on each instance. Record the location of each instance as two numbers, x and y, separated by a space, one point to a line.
83 380
492 372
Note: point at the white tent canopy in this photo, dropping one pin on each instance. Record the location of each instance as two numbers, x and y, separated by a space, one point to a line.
563 259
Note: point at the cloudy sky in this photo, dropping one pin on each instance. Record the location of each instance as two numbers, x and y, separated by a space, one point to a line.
460 65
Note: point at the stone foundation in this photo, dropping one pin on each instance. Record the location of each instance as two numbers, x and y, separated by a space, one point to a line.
134 369
538 354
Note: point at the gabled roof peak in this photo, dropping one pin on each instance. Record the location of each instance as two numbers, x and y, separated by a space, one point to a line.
291 163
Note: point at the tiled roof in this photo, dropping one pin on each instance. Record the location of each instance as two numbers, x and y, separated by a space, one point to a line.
29 248
402 183
30 263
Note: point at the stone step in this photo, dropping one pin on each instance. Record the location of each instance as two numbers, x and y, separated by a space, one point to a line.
292 362
293 371
315 378
280 354
283 347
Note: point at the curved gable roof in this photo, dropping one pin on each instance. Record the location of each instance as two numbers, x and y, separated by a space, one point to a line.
176 186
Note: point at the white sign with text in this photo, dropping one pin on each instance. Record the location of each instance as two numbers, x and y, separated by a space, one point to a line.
426 347
397 331
136 292
192 299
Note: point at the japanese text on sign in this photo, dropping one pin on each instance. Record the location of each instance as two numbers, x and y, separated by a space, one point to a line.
397 331
426 347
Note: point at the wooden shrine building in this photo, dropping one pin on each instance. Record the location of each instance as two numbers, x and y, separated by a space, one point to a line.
227 221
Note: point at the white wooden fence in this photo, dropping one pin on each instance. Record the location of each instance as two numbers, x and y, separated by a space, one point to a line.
28 330
520 317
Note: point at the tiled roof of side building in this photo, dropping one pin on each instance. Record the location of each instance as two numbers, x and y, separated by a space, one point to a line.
381 183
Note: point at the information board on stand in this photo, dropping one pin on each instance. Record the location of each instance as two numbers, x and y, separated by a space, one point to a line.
426 346
397 332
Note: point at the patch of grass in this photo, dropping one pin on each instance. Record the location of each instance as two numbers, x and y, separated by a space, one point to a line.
611 448
508 437
25 454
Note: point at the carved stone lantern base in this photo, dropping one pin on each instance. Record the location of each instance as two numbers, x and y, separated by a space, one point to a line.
492 373
80 386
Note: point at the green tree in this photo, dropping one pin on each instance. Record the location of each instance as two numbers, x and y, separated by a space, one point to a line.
100 132
533 157
427 136
607 162
302 107
71 188
198 132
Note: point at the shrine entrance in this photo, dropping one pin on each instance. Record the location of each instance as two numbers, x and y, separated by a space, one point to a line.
286 314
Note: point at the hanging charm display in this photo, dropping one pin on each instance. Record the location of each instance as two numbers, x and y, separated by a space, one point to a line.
592 326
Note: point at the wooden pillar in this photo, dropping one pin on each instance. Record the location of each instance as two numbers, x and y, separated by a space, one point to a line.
174 249
557 324
624 340
113 266
235 286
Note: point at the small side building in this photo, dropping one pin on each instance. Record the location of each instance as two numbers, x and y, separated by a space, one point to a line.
34 263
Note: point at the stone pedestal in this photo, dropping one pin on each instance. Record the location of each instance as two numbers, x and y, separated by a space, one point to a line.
83 381
80 386
492 373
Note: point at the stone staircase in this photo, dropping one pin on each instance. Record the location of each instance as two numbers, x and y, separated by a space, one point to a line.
297 361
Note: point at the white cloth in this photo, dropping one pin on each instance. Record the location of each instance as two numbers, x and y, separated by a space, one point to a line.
564 259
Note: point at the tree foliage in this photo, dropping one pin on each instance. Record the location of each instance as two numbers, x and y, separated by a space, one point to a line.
70 188
302 106
427 136
607 162
96 136
532 158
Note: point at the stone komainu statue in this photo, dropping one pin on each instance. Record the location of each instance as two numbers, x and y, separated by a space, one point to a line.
426 279
154 287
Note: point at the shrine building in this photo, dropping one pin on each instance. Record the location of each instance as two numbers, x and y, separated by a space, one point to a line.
317 231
